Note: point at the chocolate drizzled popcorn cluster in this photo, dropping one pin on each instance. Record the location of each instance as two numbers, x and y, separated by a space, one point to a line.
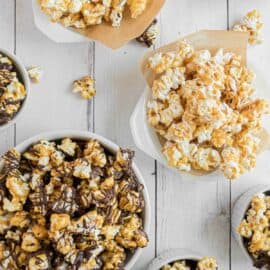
69 204
203 109
254 229
206 263
12 91
84 13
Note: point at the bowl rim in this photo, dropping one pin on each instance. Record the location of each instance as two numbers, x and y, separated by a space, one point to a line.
172 255
20 68
111 146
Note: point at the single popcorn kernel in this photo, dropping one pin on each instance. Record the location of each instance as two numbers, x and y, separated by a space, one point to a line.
85 86
252 24
203 109
35 73
149 36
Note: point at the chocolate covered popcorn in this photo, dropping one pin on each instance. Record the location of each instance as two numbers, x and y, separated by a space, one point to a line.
35 73
69 203
12 90
149 36
254 229
206 263
203 109
84 13
252 24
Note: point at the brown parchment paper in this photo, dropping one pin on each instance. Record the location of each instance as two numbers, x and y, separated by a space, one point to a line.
212 40
129 29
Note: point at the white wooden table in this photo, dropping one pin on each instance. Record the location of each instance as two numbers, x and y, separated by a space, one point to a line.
193 215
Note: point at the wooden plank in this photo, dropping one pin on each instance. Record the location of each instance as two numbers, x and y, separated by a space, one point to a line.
53 105
258 56
119 86
7 41
193 214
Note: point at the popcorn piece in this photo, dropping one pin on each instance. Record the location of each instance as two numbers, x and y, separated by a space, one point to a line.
149 36
202 106
252 24
35 73
85 86
136 7
73 197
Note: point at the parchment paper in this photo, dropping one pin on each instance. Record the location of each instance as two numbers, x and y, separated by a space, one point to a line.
212 40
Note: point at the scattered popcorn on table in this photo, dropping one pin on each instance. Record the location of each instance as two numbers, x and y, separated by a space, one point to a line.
254 229
85 86
84 13
12 91
202 106
35 73
69 202
149 36
205 263
252 24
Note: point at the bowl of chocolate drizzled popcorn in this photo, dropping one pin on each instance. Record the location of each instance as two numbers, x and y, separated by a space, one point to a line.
71 198
14 88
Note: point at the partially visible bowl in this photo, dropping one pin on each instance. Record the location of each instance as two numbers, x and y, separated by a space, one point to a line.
173 255
113 148
24 78
240 208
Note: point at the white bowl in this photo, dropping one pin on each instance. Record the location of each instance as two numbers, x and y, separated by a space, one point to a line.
173 255
54 31
24 78
146 139
240 208
112 147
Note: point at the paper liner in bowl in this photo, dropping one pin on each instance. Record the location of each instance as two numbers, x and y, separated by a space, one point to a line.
240 208
112 37
113 148
173 255
144 136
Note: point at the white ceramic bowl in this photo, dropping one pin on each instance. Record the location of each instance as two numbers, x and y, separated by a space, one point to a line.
113 148
24 78
173 255
54 31
146 138
240 208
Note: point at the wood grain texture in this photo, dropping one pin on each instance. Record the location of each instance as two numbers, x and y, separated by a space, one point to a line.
193 215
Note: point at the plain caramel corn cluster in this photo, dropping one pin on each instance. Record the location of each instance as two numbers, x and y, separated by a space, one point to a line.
67 204
85 87
84 13
202 106
205 263
12 91
254 229
252 24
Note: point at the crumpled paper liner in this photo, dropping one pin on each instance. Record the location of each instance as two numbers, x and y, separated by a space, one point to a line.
129 29
212 40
